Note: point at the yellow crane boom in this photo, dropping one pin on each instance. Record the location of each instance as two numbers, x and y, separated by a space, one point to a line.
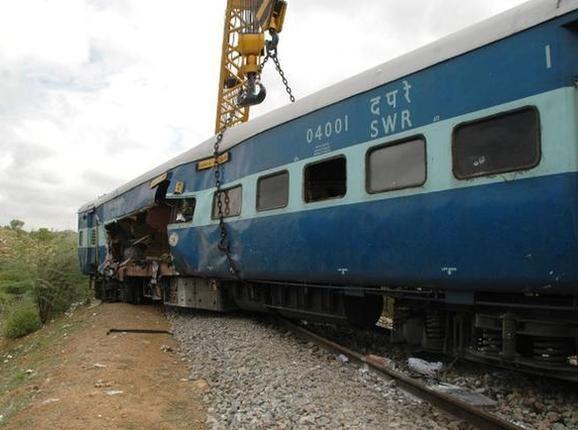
243 54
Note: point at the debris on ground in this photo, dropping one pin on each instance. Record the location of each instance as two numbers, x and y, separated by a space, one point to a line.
260 376
102 384
383 361
425 368
537 403
166 348
471 397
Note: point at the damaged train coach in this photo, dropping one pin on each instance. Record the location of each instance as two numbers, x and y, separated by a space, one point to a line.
446 179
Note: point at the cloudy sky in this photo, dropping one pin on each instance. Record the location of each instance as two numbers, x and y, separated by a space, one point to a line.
96 92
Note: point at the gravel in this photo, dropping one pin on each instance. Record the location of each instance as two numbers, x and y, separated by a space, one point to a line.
257 375
532 402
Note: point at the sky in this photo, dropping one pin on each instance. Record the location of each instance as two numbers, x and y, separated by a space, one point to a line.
96 92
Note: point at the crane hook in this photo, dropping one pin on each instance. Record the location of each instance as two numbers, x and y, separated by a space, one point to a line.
253 94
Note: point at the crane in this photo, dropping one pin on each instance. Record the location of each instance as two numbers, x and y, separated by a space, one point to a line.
243 56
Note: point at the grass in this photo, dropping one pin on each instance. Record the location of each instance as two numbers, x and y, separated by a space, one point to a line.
21 321
39 280
35 352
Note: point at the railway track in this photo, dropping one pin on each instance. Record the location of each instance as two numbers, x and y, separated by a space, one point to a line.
461 410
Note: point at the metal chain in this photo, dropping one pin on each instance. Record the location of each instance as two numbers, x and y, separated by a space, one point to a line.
272 53
224 242
264 62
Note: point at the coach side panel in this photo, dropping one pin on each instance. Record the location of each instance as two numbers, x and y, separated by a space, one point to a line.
511 229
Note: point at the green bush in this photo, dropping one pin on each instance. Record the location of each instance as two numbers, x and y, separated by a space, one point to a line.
21 321
40 267
17 288
52 293
5 301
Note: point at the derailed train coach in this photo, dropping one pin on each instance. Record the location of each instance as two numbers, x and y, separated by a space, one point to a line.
446 180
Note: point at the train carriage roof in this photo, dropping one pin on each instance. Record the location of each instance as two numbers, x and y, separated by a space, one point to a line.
496 28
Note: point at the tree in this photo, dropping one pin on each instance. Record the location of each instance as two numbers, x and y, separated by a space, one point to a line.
42 234
16 224
39 269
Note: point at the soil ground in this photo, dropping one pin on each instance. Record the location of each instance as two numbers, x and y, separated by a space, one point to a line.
72 375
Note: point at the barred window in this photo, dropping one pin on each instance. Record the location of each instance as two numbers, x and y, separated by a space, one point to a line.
396 166
498 144
231 200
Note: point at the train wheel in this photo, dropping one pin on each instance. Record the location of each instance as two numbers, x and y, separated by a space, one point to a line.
137 292
131 291
125 292
363 312
98 290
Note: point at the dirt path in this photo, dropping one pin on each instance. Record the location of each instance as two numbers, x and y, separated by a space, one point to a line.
71 375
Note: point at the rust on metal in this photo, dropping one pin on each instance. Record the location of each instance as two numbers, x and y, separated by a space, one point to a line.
130 269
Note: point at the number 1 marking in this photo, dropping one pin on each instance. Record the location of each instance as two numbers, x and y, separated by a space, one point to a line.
548 57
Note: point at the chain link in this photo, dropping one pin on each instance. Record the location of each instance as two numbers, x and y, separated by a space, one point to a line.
224 241
272 53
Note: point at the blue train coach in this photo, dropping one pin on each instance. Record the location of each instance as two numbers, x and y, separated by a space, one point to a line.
445 180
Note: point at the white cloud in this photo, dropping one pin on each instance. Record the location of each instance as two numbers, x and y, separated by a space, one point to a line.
52 31
94 92
6 160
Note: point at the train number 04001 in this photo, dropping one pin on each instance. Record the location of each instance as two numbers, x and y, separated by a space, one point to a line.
330 128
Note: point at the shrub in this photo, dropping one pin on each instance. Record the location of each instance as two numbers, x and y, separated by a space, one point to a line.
21 321
42 267
58 281
52 293
17 288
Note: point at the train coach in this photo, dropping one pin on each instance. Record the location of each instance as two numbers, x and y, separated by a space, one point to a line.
446 179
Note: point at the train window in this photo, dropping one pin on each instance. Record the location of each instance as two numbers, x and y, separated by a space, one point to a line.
396 166
183 211
498 144
230 199
273 191
80 238
325 180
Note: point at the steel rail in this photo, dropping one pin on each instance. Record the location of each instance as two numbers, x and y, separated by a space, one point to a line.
449 404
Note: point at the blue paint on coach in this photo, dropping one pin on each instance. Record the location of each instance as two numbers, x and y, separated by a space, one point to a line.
90 256
130 202
85 221
490 236
436 238
507 70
